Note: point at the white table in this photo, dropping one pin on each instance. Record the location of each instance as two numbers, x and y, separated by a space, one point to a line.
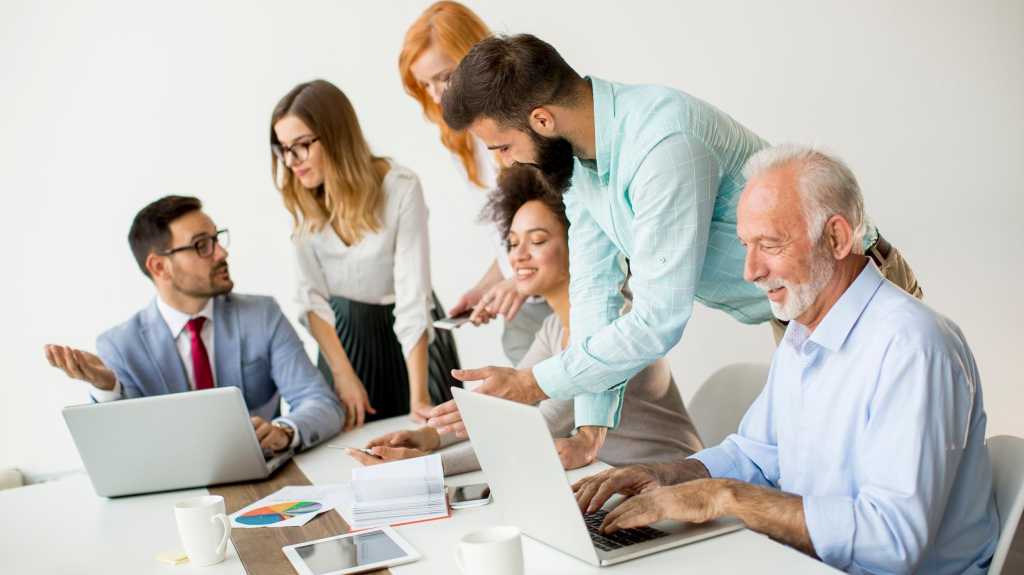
63 527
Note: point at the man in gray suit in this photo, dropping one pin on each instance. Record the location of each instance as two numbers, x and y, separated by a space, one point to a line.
197 335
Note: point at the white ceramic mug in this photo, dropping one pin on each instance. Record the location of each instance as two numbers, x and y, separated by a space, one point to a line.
491 551
204 528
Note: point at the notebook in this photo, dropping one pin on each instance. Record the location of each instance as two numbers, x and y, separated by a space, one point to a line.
398 492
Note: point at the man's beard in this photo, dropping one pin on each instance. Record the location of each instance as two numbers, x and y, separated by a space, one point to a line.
800 296
212 286
554 159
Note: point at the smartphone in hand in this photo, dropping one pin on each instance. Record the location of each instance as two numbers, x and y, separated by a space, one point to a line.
453 322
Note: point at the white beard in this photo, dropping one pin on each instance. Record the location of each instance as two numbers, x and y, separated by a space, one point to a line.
800 296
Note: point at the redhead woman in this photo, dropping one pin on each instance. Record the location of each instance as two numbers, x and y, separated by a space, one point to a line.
360 236
433 47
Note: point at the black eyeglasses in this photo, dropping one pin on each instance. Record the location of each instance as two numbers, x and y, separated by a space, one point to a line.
298 150
203 246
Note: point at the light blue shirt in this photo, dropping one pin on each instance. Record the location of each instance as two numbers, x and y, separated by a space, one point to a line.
876 419
662 193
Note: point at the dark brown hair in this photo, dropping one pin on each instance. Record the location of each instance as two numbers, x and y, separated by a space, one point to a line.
151 228
518 185
504 78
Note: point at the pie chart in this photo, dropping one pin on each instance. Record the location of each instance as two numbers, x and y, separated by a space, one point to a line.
276 512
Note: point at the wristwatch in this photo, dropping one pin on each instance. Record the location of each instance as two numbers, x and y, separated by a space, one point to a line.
288 430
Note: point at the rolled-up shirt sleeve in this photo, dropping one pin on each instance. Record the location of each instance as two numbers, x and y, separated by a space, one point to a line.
412 269
904 487
672 194
595 289
312 294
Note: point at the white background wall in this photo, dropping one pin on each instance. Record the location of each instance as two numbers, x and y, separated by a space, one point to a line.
105 106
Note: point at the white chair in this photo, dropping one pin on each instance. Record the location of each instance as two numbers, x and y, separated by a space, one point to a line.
723 399
1007 455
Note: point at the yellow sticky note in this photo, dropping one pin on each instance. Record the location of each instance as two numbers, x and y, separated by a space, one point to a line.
172 557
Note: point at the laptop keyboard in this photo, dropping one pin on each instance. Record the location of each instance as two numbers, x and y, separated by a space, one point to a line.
619 539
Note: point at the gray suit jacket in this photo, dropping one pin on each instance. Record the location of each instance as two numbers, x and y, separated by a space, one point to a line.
255 349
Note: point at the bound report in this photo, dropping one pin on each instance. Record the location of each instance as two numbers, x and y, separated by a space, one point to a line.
398 492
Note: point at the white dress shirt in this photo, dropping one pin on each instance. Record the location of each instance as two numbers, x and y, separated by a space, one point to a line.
176 321
391 265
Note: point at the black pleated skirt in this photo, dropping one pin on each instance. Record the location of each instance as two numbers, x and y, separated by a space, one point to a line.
367 335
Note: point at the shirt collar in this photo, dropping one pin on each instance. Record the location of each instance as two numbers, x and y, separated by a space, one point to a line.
833 330
176 320
604 116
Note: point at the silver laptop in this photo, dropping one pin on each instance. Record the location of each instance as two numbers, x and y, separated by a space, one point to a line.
168 442
518 455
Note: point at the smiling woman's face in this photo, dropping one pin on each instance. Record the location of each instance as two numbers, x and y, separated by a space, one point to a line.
538 250
291 130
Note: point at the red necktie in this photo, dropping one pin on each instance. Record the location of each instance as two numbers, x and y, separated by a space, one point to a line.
200 361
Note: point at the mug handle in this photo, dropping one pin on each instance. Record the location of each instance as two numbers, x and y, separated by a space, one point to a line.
222 546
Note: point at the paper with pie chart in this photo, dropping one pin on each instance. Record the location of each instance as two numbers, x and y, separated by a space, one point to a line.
291 506
279 512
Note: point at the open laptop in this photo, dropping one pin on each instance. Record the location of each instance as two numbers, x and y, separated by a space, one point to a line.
518 455
167 442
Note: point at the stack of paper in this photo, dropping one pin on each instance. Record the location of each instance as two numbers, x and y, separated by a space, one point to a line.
398 492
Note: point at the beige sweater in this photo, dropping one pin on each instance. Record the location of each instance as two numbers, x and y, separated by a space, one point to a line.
654 426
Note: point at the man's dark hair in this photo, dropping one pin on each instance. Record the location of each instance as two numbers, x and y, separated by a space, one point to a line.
151 228
505 78
516 186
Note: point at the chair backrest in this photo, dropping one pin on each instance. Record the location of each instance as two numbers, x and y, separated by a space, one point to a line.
723 399
1007 455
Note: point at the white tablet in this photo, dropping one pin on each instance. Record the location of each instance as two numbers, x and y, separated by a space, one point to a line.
351 553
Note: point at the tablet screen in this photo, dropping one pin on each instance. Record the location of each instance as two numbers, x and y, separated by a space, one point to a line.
346 553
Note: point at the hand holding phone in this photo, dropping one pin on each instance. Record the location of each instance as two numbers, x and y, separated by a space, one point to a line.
453 322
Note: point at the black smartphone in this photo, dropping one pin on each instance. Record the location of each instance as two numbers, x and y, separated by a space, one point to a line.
472 495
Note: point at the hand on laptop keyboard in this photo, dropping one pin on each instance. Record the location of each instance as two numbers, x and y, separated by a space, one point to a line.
620 538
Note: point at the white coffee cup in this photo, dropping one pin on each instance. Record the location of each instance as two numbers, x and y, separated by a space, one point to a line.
491 551
204 528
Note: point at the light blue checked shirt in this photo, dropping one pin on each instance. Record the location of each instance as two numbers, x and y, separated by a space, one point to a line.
662 193
876 419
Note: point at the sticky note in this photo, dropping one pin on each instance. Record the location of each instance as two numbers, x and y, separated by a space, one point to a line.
172 557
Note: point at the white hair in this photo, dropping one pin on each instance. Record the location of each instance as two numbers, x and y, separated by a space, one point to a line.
826 187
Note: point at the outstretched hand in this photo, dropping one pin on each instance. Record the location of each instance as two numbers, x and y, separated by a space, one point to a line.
516 385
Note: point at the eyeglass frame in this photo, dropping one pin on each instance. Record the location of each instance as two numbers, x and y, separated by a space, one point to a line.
281 151
215 240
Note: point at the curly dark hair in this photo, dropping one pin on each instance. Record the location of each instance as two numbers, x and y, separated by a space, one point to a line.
517 185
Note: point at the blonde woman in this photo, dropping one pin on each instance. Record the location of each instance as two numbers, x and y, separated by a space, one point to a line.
360 236
433 47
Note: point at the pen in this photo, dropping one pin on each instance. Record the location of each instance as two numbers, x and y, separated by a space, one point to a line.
336 446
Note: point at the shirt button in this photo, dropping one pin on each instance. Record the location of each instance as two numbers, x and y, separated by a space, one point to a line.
661 259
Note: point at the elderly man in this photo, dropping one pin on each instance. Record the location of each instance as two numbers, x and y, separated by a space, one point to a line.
866 447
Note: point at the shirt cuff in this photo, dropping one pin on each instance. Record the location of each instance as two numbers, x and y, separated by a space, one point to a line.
830 523
296 440
718 462
599 409
102 396
553 380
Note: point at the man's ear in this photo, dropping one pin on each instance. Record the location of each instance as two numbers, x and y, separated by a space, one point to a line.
543 122
157 266
839 235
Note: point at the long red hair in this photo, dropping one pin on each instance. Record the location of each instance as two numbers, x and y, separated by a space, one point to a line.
453 29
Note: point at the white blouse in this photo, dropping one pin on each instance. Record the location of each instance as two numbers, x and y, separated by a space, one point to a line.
391 265
487 170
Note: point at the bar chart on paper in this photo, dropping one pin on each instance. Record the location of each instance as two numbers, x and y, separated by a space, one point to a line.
277 512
